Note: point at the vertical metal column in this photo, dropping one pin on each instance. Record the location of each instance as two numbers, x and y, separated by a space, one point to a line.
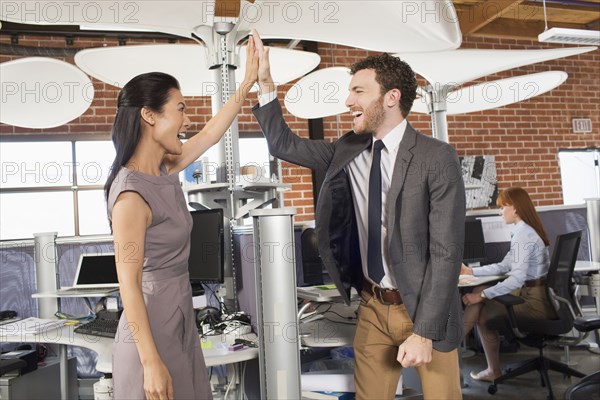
46 271
279 357
593 223
228 162
437 109
47 280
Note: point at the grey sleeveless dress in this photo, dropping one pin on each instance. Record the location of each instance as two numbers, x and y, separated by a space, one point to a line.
166 289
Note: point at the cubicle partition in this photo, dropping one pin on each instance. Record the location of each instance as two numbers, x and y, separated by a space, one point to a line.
18 283
556 219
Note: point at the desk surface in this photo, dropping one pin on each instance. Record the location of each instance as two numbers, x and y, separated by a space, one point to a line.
587 266
335 329
470 280
59 294
323 293
65 335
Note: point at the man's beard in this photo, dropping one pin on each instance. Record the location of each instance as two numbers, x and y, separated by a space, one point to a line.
372 117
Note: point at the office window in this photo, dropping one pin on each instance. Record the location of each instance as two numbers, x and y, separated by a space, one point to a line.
93 219
23 214
94 159
53 186
57 186
254 151
36 164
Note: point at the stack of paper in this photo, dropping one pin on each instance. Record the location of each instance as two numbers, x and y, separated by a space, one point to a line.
30 326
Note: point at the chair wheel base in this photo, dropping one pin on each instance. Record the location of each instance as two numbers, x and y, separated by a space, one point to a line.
492 389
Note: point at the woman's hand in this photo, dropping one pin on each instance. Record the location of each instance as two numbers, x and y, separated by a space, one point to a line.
158 384
464 270
265 80
472 298
251 75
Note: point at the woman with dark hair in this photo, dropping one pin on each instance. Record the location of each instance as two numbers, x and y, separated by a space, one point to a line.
156 354
525 266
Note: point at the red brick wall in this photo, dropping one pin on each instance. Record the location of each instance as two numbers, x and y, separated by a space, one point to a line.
524 137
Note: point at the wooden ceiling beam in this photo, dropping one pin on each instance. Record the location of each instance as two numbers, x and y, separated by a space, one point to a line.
474 18
228 8
594 25
519 29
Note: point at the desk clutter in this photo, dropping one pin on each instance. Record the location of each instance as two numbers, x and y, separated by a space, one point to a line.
211 321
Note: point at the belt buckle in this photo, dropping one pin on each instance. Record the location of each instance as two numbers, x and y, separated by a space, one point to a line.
379 292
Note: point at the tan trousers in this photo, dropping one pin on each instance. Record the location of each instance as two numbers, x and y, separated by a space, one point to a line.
379 332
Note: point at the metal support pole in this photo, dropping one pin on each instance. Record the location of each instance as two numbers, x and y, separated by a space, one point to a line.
228 161
593 216
436 102
46 272
47 280
279 357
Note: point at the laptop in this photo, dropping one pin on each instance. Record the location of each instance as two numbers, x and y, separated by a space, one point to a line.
96 273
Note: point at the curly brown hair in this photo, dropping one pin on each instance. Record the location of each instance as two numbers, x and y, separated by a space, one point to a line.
391 73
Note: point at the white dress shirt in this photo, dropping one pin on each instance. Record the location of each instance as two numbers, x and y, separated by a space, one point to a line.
527 259
358 170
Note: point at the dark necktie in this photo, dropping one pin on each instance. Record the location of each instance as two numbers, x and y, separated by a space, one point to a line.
374 260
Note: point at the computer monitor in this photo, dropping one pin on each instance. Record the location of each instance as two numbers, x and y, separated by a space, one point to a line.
207 262
474 248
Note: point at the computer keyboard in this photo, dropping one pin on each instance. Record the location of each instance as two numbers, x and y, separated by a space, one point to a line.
99 327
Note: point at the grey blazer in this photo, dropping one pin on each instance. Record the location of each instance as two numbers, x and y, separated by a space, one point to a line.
425 224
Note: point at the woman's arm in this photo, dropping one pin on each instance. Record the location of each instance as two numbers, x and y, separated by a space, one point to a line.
499 268
131 216
214 130
523 258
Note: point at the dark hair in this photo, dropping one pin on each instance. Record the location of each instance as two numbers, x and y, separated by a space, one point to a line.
520 200
150 90
391 73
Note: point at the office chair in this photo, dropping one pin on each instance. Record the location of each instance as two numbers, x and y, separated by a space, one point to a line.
7 366
538 332
587 388
312 266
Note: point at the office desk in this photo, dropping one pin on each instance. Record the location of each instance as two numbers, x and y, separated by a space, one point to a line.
334 329
592 288
103 346
587 266
218 355
471 280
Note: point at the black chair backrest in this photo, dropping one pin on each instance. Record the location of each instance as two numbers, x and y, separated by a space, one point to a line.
560 273
312 266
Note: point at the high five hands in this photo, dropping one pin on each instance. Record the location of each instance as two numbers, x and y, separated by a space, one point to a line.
265 80
251 74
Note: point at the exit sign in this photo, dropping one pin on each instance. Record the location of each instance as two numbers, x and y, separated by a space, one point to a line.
582 125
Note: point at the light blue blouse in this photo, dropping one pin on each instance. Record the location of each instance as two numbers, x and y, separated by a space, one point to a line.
527 259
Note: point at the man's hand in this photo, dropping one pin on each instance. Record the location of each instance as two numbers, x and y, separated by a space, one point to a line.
265 80
251 62
415 351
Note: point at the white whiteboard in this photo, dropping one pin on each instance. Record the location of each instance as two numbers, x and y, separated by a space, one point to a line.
580 175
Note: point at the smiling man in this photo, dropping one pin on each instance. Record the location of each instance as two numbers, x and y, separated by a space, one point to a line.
390 221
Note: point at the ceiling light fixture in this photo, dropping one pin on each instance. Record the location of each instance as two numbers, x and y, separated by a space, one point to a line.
571 36
567 35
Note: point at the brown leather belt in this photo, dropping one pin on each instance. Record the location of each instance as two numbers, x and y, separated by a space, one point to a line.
384 296
535 282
